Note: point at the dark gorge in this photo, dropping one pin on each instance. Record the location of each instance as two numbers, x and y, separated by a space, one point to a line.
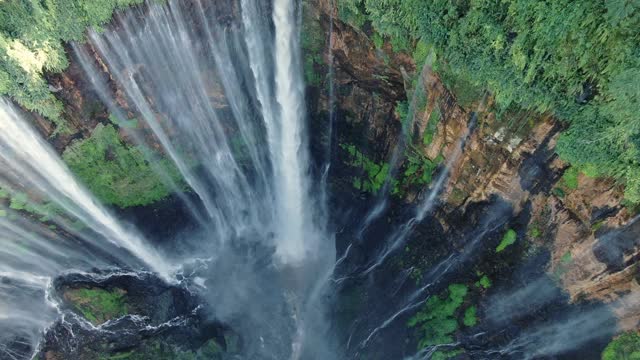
318 179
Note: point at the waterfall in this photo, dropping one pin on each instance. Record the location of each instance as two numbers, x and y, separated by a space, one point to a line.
225 104
31 160
32 254
291 154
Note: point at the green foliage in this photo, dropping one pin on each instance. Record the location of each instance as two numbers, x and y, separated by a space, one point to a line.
402 111
419 169
117 173
461 83
432 126
393 18
508 239
579 61
312 42
444 355
45 211
570 178
158 350
558 192
436 321
98 305
470 317
375 174
484 282
400 43
128 123
378 41
534 231
352 12
421 53
31 37
623 347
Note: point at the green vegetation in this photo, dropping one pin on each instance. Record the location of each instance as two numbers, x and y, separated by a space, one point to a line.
353 12
508 239
419 169
117 173
158 350
375 174
597 225
45 211
98 305
579 61
129 124
484 282
436 321
623 347
432 126
470 318
31 37
534 231
570 178
402 111
460 83
312 41
378 41
421 53
444 355
41 209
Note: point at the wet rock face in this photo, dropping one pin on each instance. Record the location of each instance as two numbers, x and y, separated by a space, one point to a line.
512 156
132 316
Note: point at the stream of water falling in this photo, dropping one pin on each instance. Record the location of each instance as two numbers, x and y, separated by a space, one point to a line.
32 254
226 106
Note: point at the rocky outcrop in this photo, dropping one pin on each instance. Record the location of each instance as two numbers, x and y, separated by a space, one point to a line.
133 316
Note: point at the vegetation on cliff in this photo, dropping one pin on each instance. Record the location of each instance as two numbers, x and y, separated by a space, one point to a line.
98 305
118 173
509 238
437 321
31 43
578 61
624 347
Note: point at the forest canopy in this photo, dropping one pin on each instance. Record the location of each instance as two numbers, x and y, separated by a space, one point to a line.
32 33
578 60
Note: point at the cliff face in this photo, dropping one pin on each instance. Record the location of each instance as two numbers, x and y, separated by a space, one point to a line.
592 238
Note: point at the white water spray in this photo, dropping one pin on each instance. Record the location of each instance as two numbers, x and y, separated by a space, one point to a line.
292 154
35 163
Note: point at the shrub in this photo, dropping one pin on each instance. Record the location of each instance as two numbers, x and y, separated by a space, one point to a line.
508 239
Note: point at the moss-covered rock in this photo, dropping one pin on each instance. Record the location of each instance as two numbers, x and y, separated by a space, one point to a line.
98 305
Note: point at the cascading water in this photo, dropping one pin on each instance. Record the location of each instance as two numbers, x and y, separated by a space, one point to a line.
220 95
244 155
30 160
33 254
